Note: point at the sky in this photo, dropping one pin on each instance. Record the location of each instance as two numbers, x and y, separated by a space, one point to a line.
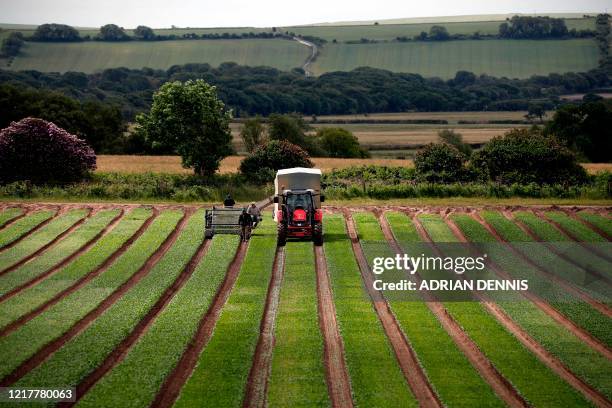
267 13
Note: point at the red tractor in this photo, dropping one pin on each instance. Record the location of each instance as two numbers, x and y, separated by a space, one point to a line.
298 205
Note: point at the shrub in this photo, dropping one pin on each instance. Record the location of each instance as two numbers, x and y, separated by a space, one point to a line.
39 151
439 162
455 139
261 165
338 142
526 156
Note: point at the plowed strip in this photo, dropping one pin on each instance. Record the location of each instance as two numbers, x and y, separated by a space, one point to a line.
61 264
589 225
122 349
9 328
532 345
601 307
502 387
51 347
257 384
12 220
404 353
47 245
338 382
173 384
32 231
560 318
573 237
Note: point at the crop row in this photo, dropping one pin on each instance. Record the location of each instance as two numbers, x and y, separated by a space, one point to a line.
9 214
85 232
536 382
33 297
23 343
583 360
22 226
599 221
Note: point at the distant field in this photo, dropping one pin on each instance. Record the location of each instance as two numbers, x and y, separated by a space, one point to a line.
93 56
510 58
450 117
172 164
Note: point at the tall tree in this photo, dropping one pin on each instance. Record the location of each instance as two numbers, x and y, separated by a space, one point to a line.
252 133
189 117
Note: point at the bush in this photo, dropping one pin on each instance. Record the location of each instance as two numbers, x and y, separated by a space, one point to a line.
261 165
36 150
338 142
526 156
455 139
439 162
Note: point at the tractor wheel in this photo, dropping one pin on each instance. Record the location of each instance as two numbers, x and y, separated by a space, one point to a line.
317 234
281 237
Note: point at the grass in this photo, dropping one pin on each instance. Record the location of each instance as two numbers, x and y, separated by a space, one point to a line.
297 377
77 358
583 360
38 239
159 349
220 376
94 56
536 382
451 374
22 226
376 378
509 58
35 296
88 230
9 214
578 229
23 342
601 222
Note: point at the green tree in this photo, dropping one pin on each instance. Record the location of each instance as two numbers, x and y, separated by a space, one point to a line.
535 110
190 118
11 45
455 139
144 33
293 128
338 142
56 32
261 165
438 33
112 32
252 134
439 163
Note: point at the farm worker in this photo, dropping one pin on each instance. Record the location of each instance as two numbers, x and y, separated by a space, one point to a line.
246 222
254 213
229 201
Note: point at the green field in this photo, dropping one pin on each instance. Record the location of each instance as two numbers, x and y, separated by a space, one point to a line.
510 58
94 56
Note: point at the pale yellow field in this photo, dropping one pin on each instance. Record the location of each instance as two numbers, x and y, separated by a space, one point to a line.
172 164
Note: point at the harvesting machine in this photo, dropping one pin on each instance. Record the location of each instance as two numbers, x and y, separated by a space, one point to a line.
297 205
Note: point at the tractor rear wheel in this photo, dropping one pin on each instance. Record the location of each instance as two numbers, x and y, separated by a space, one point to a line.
281 236
317 234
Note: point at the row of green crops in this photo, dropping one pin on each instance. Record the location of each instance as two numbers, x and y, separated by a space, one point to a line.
298 375
22 226
223 367
85 232
456 381
77 358
575 227
533 380
33 297
160 348
23 342
40 238
9 214
601 222
583 360
375 375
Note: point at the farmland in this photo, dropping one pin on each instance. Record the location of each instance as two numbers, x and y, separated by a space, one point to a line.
133 307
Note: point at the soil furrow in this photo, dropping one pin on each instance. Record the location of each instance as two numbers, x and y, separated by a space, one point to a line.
338 382
601 307
589 225
257 384
532 345
502 387
25 212
11 327
54 345
61 264
124 347
175 381
406 357
560 318
58 212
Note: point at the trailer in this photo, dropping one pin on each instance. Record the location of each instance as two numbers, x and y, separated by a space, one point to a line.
224 220
297 205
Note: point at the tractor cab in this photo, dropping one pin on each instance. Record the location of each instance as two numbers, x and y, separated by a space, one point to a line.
297 207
